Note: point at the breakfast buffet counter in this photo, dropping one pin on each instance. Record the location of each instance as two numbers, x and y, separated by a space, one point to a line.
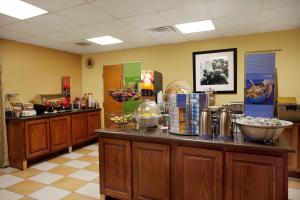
31 138
160 165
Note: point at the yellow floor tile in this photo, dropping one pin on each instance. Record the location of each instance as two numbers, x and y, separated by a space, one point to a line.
27 173
96 180
26 198
25 187
69 183
59 160
83 151
294 184
76 196
93 167
63 170
88 158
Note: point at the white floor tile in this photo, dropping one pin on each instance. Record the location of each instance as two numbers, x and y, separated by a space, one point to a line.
7 195
46 178
90 189
77 164
94 153
294 194
45 166
85 175
92 147
49 193
8 170
8 180
72 155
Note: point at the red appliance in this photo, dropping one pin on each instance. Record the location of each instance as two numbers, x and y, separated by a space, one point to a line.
66 91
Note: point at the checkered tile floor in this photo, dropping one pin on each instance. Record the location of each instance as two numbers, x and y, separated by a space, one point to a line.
73 176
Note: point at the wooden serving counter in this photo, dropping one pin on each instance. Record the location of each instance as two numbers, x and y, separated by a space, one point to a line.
155 165
39 136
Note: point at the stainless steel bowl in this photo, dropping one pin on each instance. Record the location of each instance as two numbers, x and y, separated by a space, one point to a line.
262 132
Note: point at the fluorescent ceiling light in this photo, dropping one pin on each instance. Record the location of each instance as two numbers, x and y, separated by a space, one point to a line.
105 40
19 9
193 27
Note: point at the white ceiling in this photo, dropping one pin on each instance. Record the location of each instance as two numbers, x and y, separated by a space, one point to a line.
71 21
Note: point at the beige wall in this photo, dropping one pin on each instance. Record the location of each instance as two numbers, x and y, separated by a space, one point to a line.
32 70
175 61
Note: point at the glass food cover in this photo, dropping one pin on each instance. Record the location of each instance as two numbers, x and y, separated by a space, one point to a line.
147 114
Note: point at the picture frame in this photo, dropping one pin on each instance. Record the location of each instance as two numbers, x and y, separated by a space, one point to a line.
215 70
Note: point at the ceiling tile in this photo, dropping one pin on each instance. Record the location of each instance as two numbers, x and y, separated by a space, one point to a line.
54 5
60 37
54 22
85 14
270 4
234 21
167 4
167 37
112 27
133 37
233 7
277 26
146 21
13 35
186 14
5 19
280 14
121 8
36 41
84 32
29 28
241 30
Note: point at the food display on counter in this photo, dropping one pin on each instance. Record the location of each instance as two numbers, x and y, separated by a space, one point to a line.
121 119
147 114
121 95
262 129
178 87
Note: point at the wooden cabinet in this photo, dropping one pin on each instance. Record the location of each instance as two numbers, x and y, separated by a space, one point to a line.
291 134
93 123
115 168
253 177
151 169
60 132
37 138
79 128
198 174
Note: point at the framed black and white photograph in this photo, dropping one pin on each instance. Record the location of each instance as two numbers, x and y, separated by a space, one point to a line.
215 70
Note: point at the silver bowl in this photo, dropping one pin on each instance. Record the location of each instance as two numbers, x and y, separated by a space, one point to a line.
262 132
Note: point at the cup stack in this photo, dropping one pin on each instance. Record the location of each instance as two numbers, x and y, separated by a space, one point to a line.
198 101
179 114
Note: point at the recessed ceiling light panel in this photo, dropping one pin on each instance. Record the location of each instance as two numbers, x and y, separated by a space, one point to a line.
193 27
105 40
19 9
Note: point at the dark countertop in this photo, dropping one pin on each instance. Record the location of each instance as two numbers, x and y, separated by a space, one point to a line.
68 112
158 136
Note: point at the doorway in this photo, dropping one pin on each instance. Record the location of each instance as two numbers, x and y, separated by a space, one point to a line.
112 79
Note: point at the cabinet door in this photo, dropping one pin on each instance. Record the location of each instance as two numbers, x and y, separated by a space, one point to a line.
115 168
37 138
60 132
198 174
79 128
292 136
253 177
151 171
93 123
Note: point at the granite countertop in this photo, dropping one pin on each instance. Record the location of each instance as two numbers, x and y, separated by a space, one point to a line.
280 146
67 112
